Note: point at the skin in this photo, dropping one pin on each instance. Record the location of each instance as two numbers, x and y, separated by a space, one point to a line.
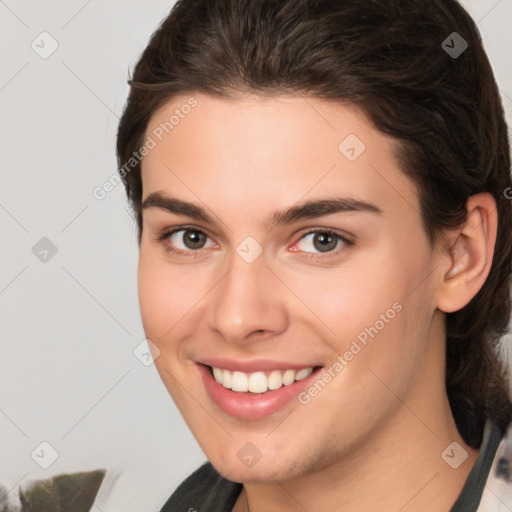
382 423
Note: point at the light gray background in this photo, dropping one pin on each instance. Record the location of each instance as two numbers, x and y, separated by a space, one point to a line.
69 326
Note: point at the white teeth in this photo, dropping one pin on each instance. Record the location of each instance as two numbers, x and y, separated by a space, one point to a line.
275 380
302 374
288 377
258 382
239 382
218 373
226 379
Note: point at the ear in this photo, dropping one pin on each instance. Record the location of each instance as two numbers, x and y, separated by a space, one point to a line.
470 250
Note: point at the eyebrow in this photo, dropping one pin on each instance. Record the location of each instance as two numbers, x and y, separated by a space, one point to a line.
306 210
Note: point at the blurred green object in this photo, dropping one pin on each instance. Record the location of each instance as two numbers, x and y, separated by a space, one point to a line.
67 492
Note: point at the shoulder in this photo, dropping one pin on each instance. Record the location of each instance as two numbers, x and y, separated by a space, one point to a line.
497 494
205 490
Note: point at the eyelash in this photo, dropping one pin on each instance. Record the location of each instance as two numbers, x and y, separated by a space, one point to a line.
162 237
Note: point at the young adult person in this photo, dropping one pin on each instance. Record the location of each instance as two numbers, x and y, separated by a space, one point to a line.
320 190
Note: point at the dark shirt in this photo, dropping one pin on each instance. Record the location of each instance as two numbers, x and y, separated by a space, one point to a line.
205 490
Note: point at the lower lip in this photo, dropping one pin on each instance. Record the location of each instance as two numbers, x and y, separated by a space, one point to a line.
252 406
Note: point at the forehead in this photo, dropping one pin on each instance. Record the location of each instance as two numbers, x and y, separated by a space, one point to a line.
265 152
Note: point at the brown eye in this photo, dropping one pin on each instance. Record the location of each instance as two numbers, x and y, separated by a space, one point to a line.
325 242
322 243
188 238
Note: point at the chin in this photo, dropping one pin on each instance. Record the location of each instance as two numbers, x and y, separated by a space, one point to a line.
248 465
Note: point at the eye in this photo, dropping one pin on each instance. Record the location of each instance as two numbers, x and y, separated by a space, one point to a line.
190 241
324 241
184 241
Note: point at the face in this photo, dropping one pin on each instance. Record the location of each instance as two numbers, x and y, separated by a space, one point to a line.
341 287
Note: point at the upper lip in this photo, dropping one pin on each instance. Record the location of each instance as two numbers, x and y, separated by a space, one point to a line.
253 365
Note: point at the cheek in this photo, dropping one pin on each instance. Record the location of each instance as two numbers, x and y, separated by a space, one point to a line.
366 306
160 295
151 302
169 294
163 307
385 317
348 299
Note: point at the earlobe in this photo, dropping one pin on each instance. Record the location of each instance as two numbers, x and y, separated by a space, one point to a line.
471 254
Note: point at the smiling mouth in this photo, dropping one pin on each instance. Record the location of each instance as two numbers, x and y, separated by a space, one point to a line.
259 382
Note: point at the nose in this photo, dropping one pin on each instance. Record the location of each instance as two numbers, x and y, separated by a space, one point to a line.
248 302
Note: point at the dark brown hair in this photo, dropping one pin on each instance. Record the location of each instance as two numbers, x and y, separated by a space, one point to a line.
388 58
